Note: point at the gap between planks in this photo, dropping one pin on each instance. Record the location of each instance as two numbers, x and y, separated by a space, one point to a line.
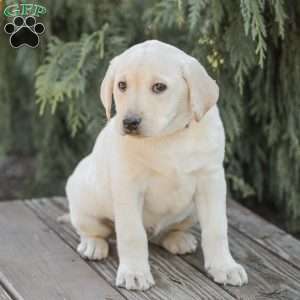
7 290
4 294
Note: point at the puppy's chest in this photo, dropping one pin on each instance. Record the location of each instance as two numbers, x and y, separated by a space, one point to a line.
172 182
169 194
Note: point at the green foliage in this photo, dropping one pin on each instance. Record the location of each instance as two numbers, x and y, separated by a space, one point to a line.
252 12
250 47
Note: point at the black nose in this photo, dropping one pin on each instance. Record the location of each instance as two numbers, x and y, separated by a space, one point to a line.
131 123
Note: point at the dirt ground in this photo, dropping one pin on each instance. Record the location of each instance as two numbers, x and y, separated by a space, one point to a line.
16 173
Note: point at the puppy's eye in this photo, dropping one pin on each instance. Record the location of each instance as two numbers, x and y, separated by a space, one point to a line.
159 87
122 86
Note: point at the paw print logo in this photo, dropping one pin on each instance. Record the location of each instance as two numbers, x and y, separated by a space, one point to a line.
24 32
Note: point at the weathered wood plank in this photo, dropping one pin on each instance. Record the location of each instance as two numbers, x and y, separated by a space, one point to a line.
37 263
9 288
264 233
270 277
175 279
4 295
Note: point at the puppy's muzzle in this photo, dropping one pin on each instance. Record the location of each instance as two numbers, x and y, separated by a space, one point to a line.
131 124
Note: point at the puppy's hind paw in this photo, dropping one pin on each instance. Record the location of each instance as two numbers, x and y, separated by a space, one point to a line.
93 248
179 242
134 278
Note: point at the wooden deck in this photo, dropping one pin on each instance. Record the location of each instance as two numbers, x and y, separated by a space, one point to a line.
38 261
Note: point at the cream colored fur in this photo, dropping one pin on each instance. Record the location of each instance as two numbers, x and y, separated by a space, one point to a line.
164 179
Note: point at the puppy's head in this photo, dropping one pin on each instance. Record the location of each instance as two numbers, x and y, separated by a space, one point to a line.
158 89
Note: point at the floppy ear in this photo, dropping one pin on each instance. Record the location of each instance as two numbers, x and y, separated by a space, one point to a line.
203 90
106 90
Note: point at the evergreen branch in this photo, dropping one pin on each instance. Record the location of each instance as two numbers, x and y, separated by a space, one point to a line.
280 15
194 11
252 12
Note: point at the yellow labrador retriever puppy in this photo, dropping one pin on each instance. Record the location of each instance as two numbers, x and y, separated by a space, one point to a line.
155 167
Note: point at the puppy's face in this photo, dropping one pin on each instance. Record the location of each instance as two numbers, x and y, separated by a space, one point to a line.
151 89
151 95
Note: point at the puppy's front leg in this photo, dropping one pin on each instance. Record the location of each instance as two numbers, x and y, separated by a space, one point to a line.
134 270
211 206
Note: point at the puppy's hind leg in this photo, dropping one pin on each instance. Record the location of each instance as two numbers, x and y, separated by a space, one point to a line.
177 240
93 234
87 209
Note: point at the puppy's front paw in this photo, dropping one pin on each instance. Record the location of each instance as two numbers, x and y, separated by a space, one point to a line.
231 273
93 248
133 278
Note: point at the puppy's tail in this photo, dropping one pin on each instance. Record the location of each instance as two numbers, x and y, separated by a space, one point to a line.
64 219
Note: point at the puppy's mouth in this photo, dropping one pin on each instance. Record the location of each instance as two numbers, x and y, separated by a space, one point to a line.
134 133
131 132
